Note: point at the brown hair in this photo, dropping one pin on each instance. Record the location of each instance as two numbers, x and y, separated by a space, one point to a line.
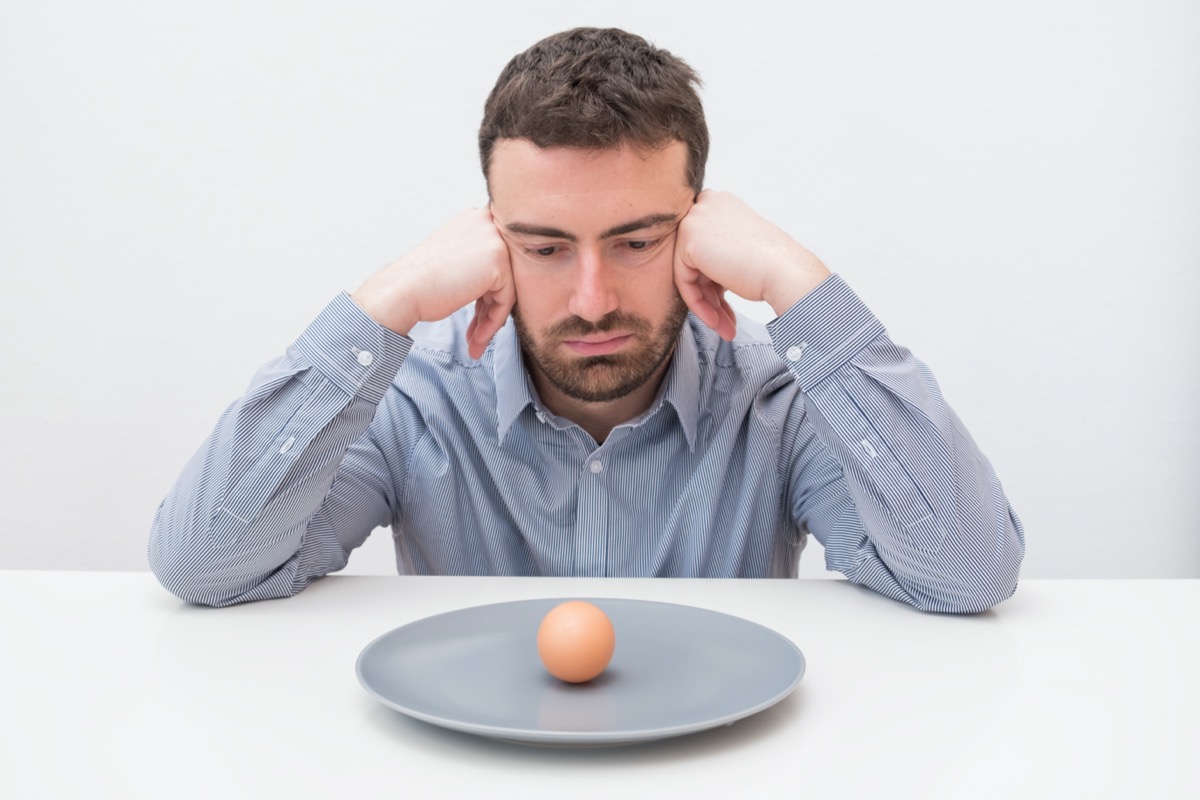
597 88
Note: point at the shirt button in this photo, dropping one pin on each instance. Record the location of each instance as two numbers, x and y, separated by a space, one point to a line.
796 351
365 358
596 467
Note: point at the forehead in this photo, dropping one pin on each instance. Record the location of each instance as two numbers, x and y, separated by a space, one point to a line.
534 184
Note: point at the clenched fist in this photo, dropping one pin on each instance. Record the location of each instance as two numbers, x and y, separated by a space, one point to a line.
724 245
464 261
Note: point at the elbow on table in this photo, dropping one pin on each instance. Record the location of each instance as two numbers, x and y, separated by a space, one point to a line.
199 574
980 581
971 597
187 581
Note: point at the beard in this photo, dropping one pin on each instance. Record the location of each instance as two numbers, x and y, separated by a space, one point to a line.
597 379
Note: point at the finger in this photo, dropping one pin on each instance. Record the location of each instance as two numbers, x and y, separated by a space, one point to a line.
699 305
722 318
491 312
726 324
688 283
714 295
473 347
728 327
494 306
482 327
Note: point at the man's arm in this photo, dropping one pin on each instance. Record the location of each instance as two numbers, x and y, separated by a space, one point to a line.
918 513
287 484
927 520
257 512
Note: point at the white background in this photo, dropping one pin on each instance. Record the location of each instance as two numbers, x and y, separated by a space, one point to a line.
1014 188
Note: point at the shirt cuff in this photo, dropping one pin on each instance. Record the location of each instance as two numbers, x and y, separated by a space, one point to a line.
352 350
823 331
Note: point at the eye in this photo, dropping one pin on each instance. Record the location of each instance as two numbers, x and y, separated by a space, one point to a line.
543 252
642 244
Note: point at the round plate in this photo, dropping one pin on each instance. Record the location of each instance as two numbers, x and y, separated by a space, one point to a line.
676 669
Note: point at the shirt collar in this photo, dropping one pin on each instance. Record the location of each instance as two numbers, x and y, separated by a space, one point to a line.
512 384
683 383
681 387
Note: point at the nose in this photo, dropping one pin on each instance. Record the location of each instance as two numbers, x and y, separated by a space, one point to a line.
594 294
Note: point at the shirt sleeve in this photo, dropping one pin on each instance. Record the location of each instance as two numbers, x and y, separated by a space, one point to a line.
286 485
915 511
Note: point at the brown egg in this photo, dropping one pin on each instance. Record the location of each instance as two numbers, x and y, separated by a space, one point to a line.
576 641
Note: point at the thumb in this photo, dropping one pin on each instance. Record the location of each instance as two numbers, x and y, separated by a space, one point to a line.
491 312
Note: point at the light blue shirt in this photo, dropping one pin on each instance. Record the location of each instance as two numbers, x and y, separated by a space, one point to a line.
816 424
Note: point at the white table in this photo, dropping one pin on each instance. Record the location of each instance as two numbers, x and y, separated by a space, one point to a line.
1070 689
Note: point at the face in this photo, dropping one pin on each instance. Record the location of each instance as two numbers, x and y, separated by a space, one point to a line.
591 236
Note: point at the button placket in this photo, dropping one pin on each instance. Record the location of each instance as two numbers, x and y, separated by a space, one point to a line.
591 531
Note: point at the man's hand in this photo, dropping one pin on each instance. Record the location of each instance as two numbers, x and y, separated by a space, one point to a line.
464 261
723 245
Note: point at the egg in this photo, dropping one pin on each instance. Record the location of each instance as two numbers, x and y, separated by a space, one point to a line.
576 641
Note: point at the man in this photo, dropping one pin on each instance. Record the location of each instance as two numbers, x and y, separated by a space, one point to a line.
579 421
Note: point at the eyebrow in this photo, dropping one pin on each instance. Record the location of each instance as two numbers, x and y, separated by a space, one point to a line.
648 221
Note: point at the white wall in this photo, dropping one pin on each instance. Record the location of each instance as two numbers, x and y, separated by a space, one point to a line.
1013 187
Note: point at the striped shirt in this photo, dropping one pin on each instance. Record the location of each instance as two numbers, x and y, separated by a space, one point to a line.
815 423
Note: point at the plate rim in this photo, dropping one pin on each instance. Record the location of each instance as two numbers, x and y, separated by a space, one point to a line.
568 738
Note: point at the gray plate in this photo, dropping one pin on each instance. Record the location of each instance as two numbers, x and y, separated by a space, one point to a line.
676 670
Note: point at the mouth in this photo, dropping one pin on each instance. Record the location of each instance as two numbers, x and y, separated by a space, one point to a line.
601 345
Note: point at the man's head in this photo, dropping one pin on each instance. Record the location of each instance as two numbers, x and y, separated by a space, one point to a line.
596 89
594 144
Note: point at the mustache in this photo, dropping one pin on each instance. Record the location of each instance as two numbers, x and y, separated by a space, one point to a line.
613 320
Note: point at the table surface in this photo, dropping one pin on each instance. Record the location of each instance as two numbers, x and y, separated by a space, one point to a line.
1079 688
